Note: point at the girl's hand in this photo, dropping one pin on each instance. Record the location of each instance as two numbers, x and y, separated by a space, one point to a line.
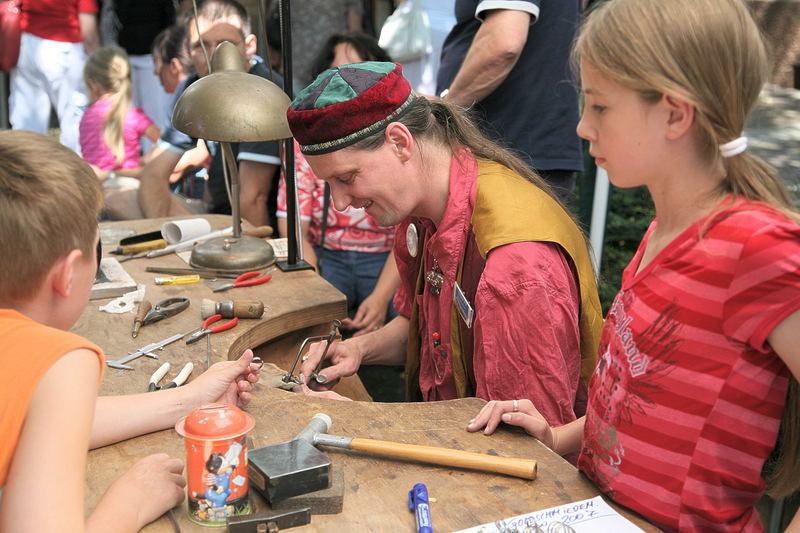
520 413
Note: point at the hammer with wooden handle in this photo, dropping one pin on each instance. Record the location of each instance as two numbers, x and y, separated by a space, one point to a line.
517 467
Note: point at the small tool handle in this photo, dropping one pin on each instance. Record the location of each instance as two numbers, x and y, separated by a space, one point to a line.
232 308
156 377
143 247
181 378
225 326
144 308
247 308
512 466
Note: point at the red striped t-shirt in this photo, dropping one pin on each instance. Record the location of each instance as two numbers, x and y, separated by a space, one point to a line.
686 400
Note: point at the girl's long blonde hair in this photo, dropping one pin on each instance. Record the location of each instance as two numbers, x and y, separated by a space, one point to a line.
109 69
709 53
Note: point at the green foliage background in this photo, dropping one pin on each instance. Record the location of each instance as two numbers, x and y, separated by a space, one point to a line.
630 212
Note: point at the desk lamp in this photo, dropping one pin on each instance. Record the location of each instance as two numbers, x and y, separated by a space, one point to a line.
229 105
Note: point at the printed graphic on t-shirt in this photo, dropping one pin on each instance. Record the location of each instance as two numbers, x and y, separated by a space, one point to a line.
627 377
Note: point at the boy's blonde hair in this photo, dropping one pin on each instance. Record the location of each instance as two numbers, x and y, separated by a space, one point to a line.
49 202
709 53
108 68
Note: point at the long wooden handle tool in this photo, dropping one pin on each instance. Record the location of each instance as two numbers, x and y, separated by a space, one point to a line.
512 466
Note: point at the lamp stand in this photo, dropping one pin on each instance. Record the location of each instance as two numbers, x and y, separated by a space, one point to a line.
235 252
295 259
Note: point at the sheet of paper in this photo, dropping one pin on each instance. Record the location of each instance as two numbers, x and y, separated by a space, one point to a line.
280 246
586 516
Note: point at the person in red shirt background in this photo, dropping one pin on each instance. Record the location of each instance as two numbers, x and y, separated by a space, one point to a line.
57 36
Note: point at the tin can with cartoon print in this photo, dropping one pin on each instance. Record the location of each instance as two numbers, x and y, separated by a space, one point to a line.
216 462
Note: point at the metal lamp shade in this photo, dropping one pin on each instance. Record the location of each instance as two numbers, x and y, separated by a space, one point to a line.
230 105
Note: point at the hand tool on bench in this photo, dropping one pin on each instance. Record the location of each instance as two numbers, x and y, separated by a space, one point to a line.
260 231
268 522
144 308
179 380
165 309
147 350
208 329
248 279
232 308
202 272
287 467
334 334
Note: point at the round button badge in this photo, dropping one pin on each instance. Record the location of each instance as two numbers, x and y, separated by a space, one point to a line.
412 240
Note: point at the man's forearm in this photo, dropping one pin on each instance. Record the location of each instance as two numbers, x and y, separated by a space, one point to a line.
387 346
255 180
155 198
494 52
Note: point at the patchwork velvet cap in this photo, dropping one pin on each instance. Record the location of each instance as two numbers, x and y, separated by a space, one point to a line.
348 103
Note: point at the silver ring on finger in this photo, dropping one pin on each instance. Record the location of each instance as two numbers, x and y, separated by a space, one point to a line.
515 404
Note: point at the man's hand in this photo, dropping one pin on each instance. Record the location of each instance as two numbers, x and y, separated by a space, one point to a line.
345 359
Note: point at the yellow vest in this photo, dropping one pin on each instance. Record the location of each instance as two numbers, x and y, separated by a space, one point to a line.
509 209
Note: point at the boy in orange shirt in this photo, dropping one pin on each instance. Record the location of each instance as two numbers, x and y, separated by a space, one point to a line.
49 410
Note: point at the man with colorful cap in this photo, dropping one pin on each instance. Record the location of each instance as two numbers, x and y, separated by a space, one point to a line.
497 298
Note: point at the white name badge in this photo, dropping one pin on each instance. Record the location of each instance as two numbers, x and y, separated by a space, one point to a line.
464 308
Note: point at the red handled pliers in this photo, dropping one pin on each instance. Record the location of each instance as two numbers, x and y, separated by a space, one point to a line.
247 279
208 330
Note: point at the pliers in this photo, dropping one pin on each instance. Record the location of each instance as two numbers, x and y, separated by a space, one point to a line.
208 330
247 279
164 309
179 380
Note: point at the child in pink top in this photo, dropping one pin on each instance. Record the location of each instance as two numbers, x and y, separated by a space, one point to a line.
111 130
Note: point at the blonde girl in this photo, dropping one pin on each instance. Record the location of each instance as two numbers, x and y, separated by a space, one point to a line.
111 129
702 342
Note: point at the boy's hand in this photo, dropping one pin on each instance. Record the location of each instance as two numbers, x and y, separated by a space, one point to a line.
149 488
227 382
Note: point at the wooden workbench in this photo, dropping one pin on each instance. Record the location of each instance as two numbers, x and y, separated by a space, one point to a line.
302 304
298 304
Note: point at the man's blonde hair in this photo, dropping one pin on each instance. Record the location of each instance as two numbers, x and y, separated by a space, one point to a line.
49 202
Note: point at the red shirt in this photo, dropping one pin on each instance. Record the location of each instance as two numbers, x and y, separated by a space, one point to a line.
526 332
55 20
687 396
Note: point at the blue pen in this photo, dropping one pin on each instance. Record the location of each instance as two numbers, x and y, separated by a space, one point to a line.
418 502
